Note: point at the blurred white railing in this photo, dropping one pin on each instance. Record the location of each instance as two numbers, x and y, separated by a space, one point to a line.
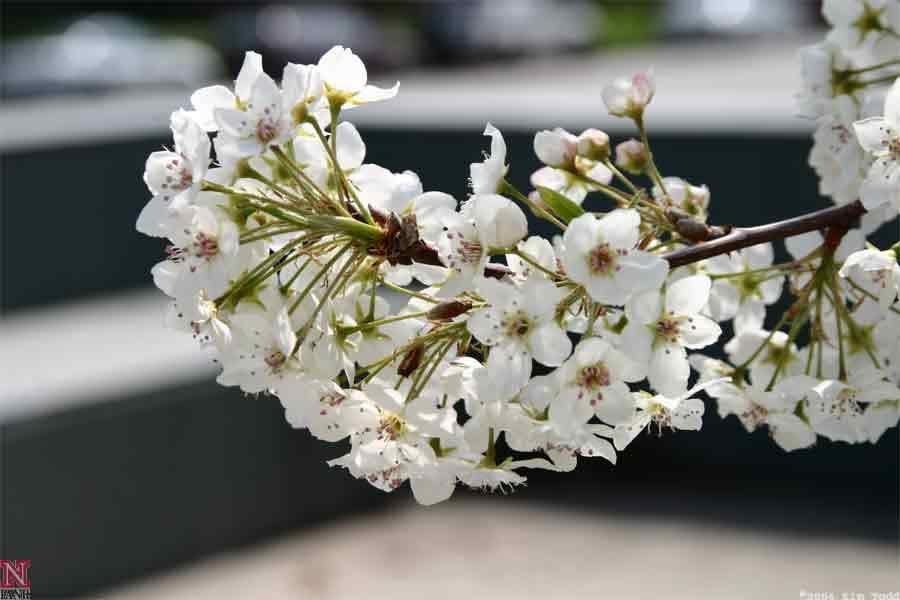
734 86
90 351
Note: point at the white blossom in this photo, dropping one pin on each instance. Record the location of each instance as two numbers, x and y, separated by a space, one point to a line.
206 100
519 325
372 309
601 255
743 287
662 325
346 81
880 137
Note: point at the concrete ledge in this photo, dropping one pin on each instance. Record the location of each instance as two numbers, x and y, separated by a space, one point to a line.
489 549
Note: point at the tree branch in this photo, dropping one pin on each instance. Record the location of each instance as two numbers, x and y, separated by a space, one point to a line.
726 239
841 217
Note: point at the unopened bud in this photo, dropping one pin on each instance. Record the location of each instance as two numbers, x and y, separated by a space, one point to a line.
593 144
448 310
411 360
628 97
631 155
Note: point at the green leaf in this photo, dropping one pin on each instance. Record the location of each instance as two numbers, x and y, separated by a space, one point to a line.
561 206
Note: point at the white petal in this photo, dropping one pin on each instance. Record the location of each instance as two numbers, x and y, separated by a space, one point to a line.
616 406
206 100
371 93
874 134
750 316
699 332
802 245
485 325
432 488
645 308
250 70
550 345
641 271
351 150
551 149
500 222
669 370
758 256
688 296
620 228
625 434
540 298
498 144
342 70
790 431
637 339
688 415
892 105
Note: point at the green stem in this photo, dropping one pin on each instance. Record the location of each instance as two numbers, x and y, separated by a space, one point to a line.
345 271
621 176
437 357
307 184
407 292
614 194
379 322
533 262
317 277
507 188
651 163
875 67
798 324
876 81
839 320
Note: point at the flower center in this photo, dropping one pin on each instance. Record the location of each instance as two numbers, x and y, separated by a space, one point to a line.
205 246
593 377
275 360
390 426
845 405
470 251
330 400
179 175
602 260
266 131
517 325
668 329
755 415
868 21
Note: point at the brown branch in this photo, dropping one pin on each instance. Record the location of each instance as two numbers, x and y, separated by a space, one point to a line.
839 217
719 240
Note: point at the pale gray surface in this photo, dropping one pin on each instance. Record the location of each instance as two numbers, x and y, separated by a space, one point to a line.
83 352
491 548
741 85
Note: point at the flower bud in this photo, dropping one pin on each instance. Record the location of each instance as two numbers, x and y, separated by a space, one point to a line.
500 222
448 310
411 360
593 144
631 155
628 97
556 148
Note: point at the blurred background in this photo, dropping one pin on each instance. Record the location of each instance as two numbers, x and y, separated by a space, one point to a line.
126 471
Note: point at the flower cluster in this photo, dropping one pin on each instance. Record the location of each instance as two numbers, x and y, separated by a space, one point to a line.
440 344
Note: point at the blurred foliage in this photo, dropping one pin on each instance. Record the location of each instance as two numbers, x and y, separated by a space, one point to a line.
629 23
